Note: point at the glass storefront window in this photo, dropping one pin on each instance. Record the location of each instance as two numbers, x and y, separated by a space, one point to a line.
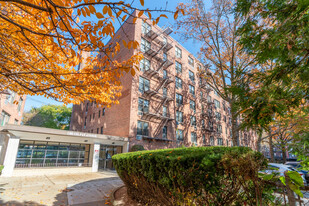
40 154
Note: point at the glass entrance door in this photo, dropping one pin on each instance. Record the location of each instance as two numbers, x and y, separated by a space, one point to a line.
106 153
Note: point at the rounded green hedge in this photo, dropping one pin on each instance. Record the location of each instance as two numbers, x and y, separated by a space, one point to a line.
190 176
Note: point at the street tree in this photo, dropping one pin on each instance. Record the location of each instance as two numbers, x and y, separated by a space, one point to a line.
42 43
49 116
226 68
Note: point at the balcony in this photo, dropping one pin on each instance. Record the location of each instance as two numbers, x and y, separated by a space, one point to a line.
207 129
156 94
156 138
151 35
149 115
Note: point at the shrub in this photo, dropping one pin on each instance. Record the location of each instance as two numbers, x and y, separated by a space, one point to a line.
191 176
137 147
1 168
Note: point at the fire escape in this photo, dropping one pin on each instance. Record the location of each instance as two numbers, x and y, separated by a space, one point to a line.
158 52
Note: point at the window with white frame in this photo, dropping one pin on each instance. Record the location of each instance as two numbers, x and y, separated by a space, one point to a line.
208 98
10 97
212 140
217 104
219 128
142 128
178 83
143 84
218 116
164 132
179 99
145 45
143 106
201 95
165 74
193 121
179 117
193 138
144 65
192 105
145 27
5 118
178 67
204 139
20 103
190 61
178 52
219 141
192 89
191 76
164 89
211 125
164 111
179 135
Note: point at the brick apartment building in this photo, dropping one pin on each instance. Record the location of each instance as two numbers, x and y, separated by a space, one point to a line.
11 113
166 104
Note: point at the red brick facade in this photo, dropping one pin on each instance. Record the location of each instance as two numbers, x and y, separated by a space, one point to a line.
122 119
10 112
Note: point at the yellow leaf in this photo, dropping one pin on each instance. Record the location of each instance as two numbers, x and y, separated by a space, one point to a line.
182 11
142 2
176 14
99 15
118 13
83 12
92 9
149 15
134 20
140 13
124 43
124 17
132 72
110 13
105 9
157 20
163 15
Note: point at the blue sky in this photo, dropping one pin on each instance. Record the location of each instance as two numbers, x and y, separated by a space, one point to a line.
37 101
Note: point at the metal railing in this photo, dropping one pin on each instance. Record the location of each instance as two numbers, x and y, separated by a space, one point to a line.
39 165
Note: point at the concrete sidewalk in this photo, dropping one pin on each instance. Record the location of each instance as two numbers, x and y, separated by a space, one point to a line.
58 190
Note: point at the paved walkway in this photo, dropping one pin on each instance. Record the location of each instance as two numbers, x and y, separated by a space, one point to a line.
58 190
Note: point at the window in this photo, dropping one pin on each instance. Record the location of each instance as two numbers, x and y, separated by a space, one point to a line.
219 128
164 111
178 83
217 104
5 118
179 117
143 84
208 98
85 123
145 27
164 56
200 80
192 105
165 74
218 116
216 93
223 105
193 121
191 76
164 91
103 112
97 130
191 89
101 130
99 115
178 67
164 132
204 139
193 138
227 142
201 95
16 122
93 116
178 52
144 65
92 131
212 141
211 125
191 61
142 128
20 102
219 141
179 99
145 45
179 135
224 118
143 106
10 98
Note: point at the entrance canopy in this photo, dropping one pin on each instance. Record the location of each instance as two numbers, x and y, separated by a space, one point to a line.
46 134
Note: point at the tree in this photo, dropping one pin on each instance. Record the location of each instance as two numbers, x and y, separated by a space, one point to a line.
226 67
50 116
277 30
42 42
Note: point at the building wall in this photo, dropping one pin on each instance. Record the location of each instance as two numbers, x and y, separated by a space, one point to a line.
122 119
14 110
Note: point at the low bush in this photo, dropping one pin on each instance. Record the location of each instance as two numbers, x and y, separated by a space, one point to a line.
192 176
137 147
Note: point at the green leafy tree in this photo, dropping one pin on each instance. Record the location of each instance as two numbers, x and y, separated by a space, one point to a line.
50 116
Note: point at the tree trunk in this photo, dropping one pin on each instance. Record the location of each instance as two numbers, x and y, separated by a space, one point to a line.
283 149
234 129
259 141
271 148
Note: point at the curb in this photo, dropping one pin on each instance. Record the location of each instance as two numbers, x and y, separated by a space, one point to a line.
112 197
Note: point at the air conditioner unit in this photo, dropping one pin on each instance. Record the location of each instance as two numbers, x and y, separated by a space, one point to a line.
139 137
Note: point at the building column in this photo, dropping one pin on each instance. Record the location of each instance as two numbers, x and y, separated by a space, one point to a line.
10 156
96 156
126 147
